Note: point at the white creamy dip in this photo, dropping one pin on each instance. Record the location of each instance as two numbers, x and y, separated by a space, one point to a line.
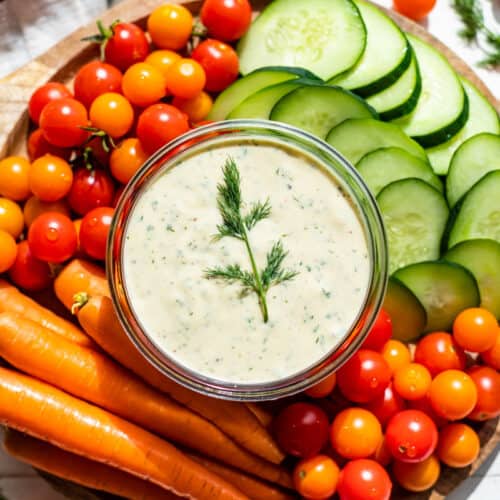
207 325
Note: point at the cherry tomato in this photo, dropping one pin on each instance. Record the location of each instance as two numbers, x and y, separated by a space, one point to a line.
419 476
50 178
61 122
185 78
220 62
364 377
38 146
28 272
316 478
52 237
323 388
159 124
385 406
453 394
226 20
396 354
492 356
35 207
458 445
411 436
196 108
475 329
112 113
11 217
364 479
170 26
355 433
95 153
414 9
8 251
412 381
162 60
424 405
94 231
91 189
382 454
438 351
96 78
126 159
301 429
487 382
380 332
126 45
42 95
143 84
14 178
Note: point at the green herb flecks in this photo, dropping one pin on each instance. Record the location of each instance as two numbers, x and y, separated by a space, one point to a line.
237 225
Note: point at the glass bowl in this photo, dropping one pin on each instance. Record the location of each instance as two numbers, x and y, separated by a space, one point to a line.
217 137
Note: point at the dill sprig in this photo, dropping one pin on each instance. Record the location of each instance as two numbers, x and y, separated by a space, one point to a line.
235 224
471 14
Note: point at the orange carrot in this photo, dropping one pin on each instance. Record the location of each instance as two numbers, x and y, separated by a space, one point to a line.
12 300
80 470
100 321
92 376
47 413
80 276
261 414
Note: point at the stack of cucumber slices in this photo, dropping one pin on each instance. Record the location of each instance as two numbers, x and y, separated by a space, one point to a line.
425 140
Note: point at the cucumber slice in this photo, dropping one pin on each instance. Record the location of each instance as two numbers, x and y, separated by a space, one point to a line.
474 158
318 108
482 118
478 214
415 216
383 166
326 37
386 56
482 259
444 289
407 313
253 82
355 138
401 97
442 108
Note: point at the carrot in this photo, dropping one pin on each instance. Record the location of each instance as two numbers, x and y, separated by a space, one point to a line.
100 321
12 300
80 276
80 470
92 376
261 414
47 413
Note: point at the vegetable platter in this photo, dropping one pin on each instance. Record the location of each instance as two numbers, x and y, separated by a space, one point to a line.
397 88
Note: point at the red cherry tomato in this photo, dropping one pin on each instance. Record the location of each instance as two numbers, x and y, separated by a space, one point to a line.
28 272
61 122
385 406
127 45
159 124
226 20
492 356
96 78
43 95
94 231
364 377
38 146
380 332
424 405
91 189
487 381
220 63
301 429
364 479
414 9
411 436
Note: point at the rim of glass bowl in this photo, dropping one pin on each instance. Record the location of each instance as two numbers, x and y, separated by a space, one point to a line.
368 214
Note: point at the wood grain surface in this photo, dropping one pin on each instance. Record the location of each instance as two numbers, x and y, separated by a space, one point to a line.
61 62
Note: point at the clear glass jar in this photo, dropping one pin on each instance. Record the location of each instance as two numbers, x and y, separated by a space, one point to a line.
216 135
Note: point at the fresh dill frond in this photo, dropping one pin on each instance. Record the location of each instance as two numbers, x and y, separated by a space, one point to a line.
259 211
273 273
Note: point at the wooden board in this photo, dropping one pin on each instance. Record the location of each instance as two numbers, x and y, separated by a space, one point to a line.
61 62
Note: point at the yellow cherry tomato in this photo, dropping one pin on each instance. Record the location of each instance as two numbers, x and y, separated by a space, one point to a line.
11 217
197 108
417 476
170 26
14 183
8 251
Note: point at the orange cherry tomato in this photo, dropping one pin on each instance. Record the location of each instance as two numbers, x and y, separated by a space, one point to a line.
412 381
11 217
35 207
492 356
185 78
14 182
323 388
475 329
458 445
316 478
50 178
487 381
355 433
162 60
197 108
417 476
414 9
170 26
126 159
8 251
396 353
112 113
453 394
143 84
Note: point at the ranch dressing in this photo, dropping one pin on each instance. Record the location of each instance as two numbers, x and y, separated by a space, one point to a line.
207 325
